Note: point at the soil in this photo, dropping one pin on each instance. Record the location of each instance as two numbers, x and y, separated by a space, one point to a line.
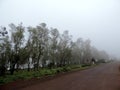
102 77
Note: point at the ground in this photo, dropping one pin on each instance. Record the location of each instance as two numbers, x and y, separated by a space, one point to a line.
102 77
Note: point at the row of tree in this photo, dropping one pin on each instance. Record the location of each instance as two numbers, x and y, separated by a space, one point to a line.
39 46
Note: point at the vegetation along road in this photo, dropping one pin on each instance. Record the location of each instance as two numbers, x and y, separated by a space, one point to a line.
102 77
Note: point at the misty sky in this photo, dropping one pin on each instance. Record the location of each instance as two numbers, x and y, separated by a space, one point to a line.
98 20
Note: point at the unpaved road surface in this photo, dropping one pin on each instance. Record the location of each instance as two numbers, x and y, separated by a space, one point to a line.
102 77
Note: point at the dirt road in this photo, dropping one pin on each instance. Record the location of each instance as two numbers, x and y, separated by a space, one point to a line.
103 77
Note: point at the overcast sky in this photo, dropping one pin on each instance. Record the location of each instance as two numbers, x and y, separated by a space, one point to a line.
98 20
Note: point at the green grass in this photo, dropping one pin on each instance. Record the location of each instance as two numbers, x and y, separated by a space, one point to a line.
24 74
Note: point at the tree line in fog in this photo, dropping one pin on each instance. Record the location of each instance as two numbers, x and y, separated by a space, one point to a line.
41 46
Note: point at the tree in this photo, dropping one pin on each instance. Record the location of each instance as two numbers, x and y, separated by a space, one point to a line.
99 55
54 40
87 52
65 48
17 40
4 50
43 44
77 51
39 39
28 51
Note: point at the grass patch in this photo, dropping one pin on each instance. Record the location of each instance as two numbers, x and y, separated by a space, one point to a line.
24 74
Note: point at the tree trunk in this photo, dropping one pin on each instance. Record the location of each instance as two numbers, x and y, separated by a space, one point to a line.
2 70
28 65
17 67
12 69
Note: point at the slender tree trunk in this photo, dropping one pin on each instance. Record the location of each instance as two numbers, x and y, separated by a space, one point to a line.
17 67
12 69
37 66
28 65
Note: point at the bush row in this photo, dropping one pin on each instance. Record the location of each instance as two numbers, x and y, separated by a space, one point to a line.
24 74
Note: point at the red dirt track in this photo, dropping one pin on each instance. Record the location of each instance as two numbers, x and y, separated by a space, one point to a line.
102 77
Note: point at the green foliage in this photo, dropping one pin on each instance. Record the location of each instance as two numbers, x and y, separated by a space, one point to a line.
75 66
66 69
59 69
85 65
45 72
24 74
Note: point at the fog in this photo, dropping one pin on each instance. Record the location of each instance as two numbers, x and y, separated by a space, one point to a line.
98 20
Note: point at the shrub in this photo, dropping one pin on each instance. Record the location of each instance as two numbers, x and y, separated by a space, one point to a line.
58 70
85 65
65 69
